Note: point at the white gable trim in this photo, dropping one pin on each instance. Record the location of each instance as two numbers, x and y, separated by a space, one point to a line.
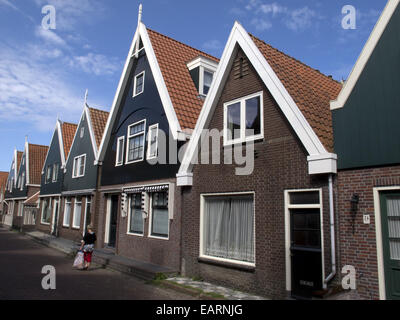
61 143
26 162
289 108
141 32
365 55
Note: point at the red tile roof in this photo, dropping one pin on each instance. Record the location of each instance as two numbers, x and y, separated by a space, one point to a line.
172 57
3 180
37 156
68 133
99 120
310 89
19 158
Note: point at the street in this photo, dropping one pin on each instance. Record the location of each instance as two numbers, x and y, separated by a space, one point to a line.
21 263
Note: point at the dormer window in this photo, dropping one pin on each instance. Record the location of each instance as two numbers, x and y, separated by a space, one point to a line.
202 71
138 86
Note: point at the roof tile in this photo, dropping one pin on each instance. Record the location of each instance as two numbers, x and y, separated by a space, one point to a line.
37 157
99 120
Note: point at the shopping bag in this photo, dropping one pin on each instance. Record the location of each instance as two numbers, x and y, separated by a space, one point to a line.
78 262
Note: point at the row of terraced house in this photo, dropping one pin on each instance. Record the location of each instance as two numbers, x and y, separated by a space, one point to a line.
253 171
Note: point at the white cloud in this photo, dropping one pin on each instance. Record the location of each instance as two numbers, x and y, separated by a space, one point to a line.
32 92
300 19
261 24
96 64
50 36
212 45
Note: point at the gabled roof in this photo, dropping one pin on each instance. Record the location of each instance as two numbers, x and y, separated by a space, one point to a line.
302 94
19 158
3 180
68 132
37 156
365 55
168 60
98 121
172 57
310 89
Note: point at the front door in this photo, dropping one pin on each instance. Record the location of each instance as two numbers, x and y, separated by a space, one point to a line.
113 221
390 208
306 254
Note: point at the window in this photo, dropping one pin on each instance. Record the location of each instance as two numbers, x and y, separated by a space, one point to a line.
22 181
67 212
79 166
136 222
82 132
135 143
20 209
76 221
119 161
159 215
46 212
55 172
243 119
138 86
48 174
228 228
207 80
152 142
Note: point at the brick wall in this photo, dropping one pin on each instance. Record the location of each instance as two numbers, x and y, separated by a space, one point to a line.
281 164
144 248
359 248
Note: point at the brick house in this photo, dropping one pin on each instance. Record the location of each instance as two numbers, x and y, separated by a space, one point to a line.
52 178
269 231
81 172
156 106
24 181
366 131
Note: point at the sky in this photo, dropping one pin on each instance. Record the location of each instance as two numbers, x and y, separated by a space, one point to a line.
44 73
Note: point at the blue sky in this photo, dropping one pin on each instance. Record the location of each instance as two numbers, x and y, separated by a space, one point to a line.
44 73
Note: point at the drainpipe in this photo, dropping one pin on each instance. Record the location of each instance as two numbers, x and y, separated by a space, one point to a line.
332 225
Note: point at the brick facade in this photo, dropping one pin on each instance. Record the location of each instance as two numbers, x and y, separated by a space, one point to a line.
143 248
280 164
359 249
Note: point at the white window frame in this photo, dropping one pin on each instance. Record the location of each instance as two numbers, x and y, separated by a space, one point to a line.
67 224
79 166
76 202
149 142
202 70
118 164
82 132
242 102
150 235
135 94
230 261
55 176
88 200
49 206
133 136
22 181
288 207
20 208
129 219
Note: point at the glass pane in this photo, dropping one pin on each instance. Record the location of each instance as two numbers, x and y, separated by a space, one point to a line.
208 77
311 197
160 222
136 128
234 121
394 228
253 117
395 249
393 207
139 84
136 148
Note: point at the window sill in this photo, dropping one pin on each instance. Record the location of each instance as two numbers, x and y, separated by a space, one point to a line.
158 237
243 142
45 224
135 234
229 265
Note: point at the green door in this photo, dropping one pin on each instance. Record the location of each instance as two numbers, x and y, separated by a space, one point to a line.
390 208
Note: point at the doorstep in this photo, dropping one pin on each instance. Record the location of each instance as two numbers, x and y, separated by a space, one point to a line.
143 270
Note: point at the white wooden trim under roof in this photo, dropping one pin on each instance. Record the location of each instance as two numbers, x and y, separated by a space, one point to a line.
141 33
365 55
320 161
61 143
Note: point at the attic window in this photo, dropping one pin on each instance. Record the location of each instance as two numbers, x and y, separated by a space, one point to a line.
138 86
82 132
202 71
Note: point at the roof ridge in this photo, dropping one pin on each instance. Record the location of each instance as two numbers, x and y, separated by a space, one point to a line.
293 58
65 122
98 110
180 42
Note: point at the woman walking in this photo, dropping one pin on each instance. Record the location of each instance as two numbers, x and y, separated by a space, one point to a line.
88 246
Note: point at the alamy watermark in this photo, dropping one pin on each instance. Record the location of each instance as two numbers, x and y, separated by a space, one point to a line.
49 20
49 280
349 21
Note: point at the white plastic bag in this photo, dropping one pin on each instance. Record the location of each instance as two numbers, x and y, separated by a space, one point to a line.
78 262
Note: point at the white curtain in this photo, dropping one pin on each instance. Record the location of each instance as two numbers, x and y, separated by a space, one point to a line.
160 222
136 220
393 212
229 228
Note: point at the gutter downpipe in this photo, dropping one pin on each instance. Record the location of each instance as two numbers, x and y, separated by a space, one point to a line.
332 228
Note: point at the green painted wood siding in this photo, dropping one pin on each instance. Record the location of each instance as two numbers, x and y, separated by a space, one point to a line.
367 128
